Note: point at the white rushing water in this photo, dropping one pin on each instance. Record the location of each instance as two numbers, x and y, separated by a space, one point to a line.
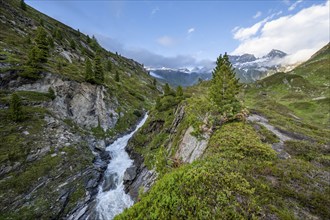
113 202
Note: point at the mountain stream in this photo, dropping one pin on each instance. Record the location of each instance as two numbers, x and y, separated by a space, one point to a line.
110 203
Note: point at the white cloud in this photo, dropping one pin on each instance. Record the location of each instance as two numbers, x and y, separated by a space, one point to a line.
166 41
257 15
300 34
154 11
190 30
246 33
294 5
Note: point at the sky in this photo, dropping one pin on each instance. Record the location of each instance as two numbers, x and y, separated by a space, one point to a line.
184 33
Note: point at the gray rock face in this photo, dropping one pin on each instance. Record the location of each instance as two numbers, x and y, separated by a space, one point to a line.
85 104
145 179
130 174
191 147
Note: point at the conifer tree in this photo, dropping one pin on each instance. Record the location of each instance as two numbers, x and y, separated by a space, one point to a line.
179 91
33 57
109 66
98 69
167 89
23 5
42 44
154 82
72 44
88 39
16 112
89 75
117 79
225 87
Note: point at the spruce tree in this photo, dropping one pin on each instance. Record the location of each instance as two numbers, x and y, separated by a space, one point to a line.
109 66
117 79
167 89
179 91
23 5
89 75
16 112
225 87
72 44
88 39
98 69
154 82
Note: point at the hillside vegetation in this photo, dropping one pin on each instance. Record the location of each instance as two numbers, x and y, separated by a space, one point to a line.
242 173
46 159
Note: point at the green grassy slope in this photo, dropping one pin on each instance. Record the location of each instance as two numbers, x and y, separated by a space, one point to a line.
303 92
239 175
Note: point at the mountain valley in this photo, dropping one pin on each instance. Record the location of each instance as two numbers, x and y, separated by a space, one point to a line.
85 130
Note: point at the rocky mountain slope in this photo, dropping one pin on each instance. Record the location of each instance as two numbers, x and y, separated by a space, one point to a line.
53 158
275 165
248 69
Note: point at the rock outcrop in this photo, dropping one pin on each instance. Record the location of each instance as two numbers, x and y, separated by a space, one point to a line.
87 105
66 130
189 149
192 147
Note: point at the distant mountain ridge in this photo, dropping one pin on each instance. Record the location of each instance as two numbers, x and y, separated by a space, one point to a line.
248 69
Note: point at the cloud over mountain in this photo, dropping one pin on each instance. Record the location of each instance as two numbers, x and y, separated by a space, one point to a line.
300 34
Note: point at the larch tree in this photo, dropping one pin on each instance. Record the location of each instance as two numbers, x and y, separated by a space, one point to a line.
225 87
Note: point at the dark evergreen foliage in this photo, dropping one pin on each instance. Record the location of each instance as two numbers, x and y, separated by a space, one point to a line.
42 44
179 91
117 79
98 69
225 87
23 5
16 112
89 75
109 66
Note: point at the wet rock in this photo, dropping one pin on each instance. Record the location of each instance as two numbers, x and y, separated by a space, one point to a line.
144 179
100 145
92 183
99 164
130 174
110 182
105 156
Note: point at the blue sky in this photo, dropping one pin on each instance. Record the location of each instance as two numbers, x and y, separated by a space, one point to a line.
190 33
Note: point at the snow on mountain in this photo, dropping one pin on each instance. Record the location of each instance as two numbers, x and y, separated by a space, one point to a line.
248 69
